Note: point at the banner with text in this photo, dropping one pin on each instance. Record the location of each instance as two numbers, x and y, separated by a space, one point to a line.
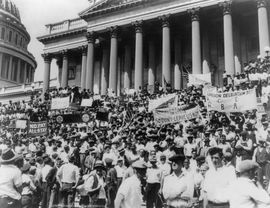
199 79
21 124
60 103
170 100
37 128
175 115
87 102
237 101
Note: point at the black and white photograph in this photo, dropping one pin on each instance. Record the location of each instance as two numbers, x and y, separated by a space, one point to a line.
134 104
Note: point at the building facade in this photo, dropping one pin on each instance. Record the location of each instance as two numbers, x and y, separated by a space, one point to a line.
17 65
118 44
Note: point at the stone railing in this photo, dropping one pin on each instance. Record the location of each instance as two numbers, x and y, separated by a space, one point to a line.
65 25
26 87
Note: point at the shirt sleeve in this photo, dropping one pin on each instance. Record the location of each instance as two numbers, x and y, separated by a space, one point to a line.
88 184
259 195
18 179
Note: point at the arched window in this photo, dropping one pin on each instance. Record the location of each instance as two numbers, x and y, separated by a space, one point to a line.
10 36
3 32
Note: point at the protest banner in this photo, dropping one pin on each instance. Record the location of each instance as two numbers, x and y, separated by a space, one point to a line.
37 128
237 101
21 124
87 102
97 97
199 79
174 115
60 103
208 89
170 100
72 118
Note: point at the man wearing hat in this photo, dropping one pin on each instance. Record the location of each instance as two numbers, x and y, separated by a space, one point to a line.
68 177
10 180
129 193
243 192
175 186
153 179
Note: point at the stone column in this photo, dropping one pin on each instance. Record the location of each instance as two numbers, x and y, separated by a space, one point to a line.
64 78
104 70
46 77
205 52
263 26
166 50
10 68
196 41
228 38
127 67
83 70
89 83
151 64
25 70
19 70
138 55
113 59
177 59
1 67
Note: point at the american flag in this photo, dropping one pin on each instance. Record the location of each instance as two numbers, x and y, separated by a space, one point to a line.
186 69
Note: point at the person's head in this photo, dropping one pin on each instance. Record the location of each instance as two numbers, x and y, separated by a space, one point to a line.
99 167
216 156
186 163
71 159
162 159
9 156
139 169
227 157
177 163
248 169
120 162
204 167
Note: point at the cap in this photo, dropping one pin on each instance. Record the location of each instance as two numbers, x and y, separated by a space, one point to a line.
177 158
139 165
247 165
108 161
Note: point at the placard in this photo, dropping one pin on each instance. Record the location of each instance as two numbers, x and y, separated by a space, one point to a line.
60 103
87 102
21 124
170 100
37 128
199 79
237 101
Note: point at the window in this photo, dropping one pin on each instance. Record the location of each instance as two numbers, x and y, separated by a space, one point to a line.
21 42
16 39
71 73
10 36
3 32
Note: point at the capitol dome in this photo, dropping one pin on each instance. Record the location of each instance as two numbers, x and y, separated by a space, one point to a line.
17 63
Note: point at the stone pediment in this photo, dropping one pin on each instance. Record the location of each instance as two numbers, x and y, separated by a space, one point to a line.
101 6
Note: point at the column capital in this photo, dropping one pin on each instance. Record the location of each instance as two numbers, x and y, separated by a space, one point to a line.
138 26
83 49
47 57
64 53
226 6
194 13
261 3
90 36
165 20
114 30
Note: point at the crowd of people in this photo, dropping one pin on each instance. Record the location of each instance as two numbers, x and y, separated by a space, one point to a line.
127 160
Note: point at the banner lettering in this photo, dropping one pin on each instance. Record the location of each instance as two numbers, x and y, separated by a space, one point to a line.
37 128
237 101
175 115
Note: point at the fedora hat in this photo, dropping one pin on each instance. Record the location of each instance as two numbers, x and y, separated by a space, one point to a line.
8 155
99 164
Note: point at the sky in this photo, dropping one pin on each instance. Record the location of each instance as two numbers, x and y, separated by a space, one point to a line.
35 14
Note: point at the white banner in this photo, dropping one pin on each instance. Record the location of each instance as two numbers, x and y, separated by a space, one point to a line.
60 103
97 97
237 101
170 100
199 79
87 102
21 124
208 89
175 115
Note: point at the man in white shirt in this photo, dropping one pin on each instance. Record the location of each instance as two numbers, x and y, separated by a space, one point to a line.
217 181
244 192
129 193
68 177
45 191
10 180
